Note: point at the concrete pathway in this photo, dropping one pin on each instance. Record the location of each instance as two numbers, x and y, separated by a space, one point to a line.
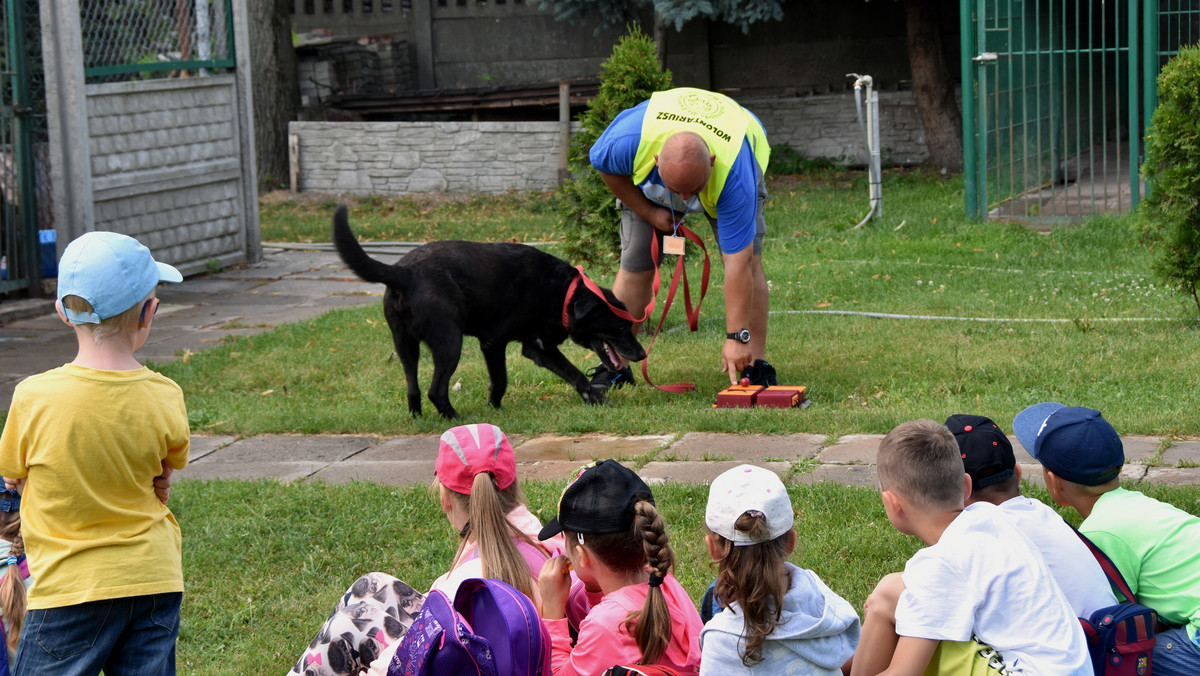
291 285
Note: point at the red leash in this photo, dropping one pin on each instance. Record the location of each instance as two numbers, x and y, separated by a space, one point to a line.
693 314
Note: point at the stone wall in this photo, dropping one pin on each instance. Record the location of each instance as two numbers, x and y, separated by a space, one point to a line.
827 126
166 167
393 158
390 158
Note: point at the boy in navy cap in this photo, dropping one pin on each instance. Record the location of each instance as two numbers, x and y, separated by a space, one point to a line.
988 459
89 443
1153 544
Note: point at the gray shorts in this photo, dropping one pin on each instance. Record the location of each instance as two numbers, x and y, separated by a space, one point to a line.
636 232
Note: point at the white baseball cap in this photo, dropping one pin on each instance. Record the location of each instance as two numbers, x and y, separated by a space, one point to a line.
747 488
111 271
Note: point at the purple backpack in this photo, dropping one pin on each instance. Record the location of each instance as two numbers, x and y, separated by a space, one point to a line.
491 630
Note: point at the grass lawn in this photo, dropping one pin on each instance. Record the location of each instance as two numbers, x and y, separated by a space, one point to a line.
918 314
266 562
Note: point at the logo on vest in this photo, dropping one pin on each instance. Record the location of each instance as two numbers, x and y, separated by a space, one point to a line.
701 104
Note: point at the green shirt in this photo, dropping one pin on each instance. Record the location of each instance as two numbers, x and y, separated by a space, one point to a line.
1156 546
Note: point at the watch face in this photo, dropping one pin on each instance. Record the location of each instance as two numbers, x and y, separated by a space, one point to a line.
743 335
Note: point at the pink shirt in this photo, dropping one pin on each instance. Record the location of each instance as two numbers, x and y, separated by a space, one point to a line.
603 641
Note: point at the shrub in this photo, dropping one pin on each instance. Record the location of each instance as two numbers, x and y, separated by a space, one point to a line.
587 210
1171 215
785 160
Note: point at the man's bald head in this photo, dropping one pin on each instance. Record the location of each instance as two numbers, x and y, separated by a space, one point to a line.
685 163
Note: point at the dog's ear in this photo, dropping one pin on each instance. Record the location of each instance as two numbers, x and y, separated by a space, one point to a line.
584 303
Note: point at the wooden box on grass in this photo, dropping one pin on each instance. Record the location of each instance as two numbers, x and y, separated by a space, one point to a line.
738 396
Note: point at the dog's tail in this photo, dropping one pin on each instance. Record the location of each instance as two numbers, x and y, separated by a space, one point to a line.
356 259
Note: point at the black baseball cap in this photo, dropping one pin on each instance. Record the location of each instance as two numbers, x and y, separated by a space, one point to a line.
599 499
987 454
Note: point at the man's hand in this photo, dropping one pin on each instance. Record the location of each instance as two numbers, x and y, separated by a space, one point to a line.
735 357
162 483
663 220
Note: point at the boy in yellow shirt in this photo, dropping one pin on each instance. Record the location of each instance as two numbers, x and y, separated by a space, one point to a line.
89 442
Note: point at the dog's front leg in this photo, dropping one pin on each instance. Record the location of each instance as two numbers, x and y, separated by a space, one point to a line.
549 357
493 356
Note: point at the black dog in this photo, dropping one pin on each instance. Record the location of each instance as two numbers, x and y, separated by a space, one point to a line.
499 293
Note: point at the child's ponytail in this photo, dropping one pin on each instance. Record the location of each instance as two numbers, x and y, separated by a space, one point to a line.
755 577
488 509
651 627
12 589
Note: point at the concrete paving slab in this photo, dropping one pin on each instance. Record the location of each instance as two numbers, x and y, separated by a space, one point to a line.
1138 449
43 322
1019 451
744 447
202 446
548 470
268 447
850 475
582 449
316 288
1133 472
1188 476
276 264
195 290
852 449
402 473
207 469
1033 472
690 472
414 448
1182 454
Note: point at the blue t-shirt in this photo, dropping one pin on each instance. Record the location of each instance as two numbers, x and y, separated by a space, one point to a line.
737 205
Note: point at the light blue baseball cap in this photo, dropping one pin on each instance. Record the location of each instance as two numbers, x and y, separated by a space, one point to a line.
111 271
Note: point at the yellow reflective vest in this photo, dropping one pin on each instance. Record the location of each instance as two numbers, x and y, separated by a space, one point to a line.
718 119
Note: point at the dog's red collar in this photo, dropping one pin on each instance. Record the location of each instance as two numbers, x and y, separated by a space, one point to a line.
594 288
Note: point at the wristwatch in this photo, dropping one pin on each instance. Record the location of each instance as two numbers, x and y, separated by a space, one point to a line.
743 336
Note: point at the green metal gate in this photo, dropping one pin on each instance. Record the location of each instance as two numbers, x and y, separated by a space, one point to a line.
20 259
1052 117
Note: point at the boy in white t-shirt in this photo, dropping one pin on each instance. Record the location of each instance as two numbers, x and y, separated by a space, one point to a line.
979 598
987 457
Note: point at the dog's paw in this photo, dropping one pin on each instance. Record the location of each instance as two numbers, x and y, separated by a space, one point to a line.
594 395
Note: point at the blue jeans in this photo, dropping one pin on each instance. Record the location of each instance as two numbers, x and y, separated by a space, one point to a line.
124 637
1175 654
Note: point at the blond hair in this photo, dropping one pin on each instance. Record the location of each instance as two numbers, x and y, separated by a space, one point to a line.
13 601
487 508
921 461
755 577
121 324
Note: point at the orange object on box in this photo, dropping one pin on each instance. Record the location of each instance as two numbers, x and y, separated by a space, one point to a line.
780 396
738 396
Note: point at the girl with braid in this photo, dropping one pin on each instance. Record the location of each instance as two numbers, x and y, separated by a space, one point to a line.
636 611
777 618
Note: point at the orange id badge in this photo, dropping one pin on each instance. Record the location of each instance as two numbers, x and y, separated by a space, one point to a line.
673 245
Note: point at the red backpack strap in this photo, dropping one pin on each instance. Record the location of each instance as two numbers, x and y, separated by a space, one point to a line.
1109 568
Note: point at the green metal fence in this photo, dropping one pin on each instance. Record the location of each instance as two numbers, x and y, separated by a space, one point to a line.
1053 119
22 124
141 39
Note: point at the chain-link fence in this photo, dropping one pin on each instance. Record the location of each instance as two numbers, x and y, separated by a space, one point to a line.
143 39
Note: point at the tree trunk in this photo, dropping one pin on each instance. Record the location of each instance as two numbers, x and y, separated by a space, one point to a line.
276 87
932 86
660 39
